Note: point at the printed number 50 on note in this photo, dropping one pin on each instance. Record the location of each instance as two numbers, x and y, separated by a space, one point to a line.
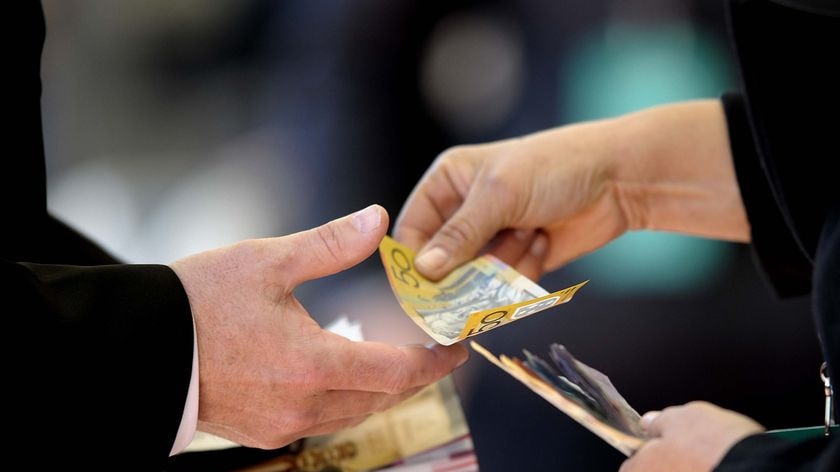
481 295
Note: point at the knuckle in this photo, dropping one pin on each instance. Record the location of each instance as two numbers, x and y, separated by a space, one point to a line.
499 184
697 405
400 379
453 153
458 231
453 163
672 409
331 241
398 384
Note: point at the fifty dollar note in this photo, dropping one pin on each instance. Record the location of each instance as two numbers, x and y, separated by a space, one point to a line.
481 295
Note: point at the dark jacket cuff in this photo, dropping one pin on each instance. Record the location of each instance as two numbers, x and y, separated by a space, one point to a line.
785 266
107 349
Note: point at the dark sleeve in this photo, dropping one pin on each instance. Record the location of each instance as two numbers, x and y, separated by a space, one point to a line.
104 364
784 144
768 453
784 264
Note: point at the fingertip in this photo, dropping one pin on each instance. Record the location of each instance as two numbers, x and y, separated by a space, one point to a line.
432 261
648 418
370 219
460 353
386 218
464 357
456 353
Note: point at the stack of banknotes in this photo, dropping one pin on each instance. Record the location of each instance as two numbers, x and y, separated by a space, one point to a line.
583 393
427 432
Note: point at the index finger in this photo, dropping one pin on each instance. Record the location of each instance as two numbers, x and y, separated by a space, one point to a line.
432 202
381 367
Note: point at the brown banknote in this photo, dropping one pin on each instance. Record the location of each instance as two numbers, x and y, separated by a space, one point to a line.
431 419
594 402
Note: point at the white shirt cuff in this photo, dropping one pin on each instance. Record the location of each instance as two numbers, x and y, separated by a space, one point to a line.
189 420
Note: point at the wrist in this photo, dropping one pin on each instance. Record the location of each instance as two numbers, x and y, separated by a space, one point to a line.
674 171
625 154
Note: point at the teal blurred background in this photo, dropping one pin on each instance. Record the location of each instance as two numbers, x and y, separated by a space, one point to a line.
629 66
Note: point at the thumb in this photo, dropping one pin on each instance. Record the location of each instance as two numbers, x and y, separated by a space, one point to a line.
335 246
460 238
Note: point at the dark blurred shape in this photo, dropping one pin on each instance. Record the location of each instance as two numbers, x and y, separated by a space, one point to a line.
472 72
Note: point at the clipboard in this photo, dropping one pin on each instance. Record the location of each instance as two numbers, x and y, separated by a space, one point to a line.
805 433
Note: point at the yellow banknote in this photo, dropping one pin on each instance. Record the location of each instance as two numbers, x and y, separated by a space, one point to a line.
477 297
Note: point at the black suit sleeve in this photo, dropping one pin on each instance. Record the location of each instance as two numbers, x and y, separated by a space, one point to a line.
104 366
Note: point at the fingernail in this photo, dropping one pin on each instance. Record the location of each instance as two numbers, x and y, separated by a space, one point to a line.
367 220
539 246
441 348
648 418
431 259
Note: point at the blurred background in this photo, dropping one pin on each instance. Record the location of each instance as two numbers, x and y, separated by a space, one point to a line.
174 127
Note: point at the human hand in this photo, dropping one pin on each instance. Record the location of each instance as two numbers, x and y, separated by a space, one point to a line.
535 195
691 437
268 374
550 197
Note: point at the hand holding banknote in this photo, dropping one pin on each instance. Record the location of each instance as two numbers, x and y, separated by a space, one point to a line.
547 198
268 373
531 198
542 200
690 437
